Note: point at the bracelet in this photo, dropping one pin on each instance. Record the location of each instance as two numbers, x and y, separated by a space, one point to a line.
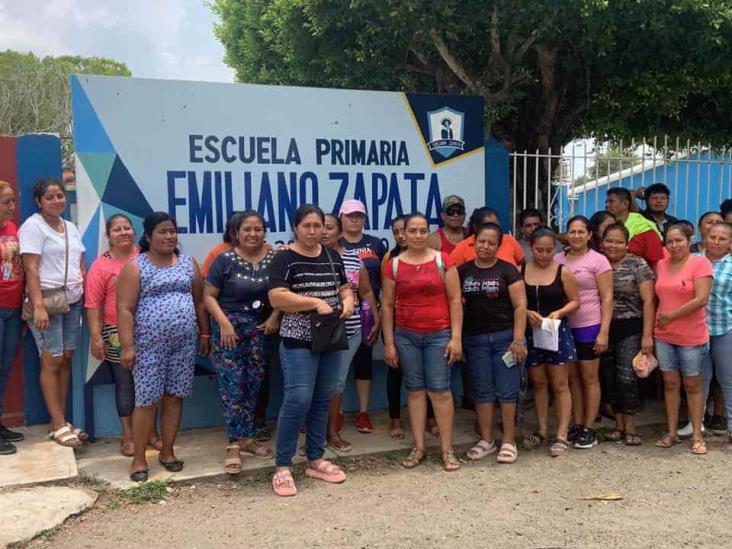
204 336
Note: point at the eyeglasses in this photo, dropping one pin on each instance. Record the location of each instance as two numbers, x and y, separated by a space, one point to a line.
454 211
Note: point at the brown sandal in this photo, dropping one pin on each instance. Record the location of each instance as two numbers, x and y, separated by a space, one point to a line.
667 441
698 447
450 462
253 448
416 456
232 465
633 439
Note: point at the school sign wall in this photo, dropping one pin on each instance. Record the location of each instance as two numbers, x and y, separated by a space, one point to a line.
203 150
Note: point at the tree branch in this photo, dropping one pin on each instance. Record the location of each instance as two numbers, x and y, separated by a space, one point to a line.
455 66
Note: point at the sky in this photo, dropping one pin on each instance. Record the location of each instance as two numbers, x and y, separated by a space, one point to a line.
171 39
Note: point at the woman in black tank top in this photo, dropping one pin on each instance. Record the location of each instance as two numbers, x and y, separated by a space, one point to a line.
551 292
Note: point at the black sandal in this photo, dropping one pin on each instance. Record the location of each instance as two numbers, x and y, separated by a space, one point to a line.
633 439
139 476
174 466
533 441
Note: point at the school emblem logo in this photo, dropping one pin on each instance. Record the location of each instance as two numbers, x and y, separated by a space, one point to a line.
446 131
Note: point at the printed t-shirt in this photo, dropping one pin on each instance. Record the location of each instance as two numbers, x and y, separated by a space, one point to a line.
242 288
675 290
586 269
645 239
101 285
39 238
11 269
486 301
309 276
421 297
509 250
352 265
370 251
627 276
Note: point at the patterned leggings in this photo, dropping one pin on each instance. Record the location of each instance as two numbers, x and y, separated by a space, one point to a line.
240 373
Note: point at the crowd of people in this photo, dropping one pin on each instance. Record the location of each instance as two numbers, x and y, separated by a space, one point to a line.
585 313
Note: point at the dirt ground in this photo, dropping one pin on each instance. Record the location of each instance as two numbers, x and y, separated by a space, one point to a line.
669 499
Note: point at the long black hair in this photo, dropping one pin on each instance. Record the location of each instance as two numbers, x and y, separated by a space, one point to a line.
148 226
396 250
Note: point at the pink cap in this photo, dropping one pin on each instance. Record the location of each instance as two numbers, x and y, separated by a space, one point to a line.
352 206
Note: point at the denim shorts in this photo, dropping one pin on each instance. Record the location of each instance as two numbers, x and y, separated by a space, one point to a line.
492 378
565 355
687 359
423 360
62 333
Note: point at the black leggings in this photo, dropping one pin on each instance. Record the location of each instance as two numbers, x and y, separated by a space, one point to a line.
272 350
124 389
363 362
394 378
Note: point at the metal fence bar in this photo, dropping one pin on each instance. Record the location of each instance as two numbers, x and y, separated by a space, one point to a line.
686 181
709 176
698 176
676 179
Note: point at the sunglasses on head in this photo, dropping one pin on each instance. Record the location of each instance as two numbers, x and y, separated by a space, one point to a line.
455 211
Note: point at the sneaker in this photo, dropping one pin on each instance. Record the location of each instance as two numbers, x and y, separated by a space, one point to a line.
6 448
13 436
687 430
262 434
574 432
586 439
717 425
363 423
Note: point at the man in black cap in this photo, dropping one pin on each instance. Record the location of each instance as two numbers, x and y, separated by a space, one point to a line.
453 216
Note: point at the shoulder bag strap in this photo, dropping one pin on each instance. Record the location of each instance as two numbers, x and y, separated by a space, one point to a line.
335 276
66 253
440 265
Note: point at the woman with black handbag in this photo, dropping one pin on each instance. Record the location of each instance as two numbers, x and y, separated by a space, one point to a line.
309 285
53 258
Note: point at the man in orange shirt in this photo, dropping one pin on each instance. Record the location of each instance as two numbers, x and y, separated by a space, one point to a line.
510 249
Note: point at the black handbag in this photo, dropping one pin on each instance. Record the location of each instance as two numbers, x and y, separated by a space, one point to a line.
328 331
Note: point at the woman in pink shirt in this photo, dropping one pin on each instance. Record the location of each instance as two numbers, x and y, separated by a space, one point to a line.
100 300
590 326
684 282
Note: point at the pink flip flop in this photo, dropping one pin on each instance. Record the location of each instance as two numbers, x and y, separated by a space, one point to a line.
283 484
326 471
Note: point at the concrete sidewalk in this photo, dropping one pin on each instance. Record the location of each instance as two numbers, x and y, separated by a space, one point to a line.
38 460
203 449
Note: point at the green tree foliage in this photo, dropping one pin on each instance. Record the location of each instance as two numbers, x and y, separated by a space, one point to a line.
34 92
550 70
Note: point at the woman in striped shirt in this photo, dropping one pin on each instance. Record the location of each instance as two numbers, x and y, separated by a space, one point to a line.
361 287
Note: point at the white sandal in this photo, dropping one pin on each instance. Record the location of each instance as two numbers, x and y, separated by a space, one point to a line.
482 449
508 453
65 437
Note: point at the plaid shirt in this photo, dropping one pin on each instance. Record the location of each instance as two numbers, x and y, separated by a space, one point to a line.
719 308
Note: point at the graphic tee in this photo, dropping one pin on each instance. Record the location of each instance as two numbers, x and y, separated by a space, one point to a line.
487 304
370 251
11 269
101 285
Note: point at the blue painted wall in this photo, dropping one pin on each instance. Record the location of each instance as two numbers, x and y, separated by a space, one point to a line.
695 187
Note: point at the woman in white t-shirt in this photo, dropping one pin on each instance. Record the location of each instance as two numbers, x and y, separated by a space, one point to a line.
53 258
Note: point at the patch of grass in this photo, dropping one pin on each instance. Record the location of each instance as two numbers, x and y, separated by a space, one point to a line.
92 482
394 457
151 491
113 504
254 478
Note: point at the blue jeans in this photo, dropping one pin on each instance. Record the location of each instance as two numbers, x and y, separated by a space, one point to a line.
10 325
62 333
354 342
687 359
309 380
492 379
718 362
423 361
